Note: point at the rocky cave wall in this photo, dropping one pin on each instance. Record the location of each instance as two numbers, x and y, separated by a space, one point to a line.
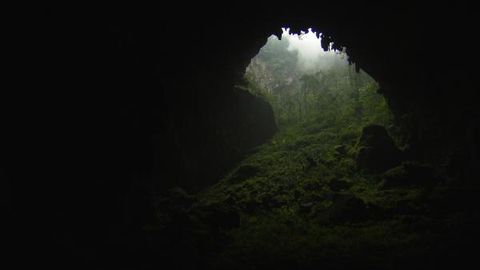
135 100
188 64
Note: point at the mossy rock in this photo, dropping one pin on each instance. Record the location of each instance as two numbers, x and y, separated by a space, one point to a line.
244 172
376 150
339 184
347 208
408 174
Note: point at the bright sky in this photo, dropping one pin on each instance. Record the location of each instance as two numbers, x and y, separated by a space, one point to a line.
311 55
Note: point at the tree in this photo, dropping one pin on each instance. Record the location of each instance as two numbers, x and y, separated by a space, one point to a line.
331 91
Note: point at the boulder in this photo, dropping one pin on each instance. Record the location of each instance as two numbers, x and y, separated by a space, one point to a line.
244 172
376 150
339 184
306 207
408 174
347 208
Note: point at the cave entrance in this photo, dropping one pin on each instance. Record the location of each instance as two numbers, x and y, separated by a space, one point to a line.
305 83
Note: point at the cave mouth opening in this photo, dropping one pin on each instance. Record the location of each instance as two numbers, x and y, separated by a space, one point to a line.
306 83
322 169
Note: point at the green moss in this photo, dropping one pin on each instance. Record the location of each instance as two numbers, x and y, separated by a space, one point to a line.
282 194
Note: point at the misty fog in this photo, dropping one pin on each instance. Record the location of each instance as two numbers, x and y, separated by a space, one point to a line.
302 80
311 56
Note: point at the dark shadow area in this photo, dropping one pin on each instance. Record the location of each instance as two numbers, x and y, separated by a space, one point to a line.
125 117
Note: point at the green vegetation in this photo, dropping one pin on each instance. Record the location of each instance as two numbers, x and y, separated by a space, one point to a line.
299 201
296 192
328 92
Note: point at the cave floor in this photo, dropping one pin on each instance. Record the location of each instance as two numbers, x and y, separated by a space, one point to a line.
298 202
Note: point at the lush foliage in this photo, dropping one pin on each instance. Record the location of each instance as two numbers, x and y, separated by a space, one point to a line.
333 93
298 201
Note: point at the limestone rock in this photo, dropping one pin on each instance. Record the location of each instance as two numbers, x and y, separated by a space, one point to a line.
377 151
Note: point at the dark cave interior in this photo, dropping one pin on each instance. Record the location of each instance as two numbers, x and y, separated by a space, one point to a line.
132 101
